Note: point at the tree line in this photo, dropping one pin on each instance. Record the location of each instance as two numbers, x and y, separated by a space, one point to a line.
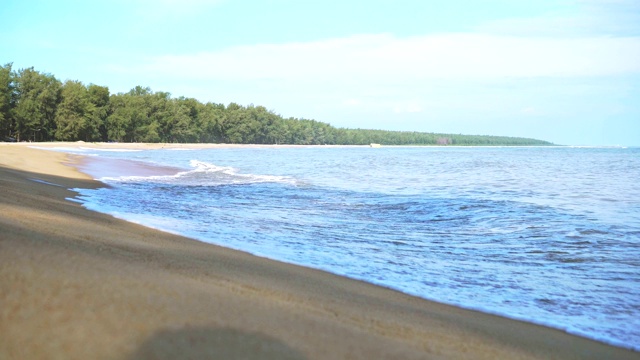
35 106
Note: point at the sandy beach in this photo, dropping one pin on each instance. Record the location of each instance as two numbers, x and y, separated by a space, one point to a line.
76 284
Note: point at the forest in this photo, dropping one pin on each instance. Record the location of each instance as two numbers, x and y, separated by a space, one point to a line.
35 106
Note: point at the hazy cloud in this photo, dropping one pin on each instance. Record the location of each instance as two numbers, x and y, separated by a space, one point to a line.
373 58
589 18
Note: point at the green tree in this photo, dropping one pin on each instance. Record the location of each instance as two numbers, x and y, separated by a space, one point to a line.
7 99
74 113
137 110
117 122
99 98
184 120
210 122
160 109
37 97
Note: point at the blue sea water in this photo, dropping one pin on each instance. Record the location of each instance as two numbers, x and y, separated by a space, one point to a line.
549 235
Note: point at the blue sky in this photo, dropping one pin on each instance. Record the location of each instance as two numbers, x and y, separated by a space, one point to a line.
566 71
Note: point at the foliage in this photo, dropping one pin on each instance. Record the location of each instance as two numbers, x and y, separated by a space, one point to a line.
37 99
37 107
7 99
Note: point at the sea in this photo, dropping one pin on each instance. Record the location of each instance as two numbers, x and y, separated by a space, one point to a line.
548 235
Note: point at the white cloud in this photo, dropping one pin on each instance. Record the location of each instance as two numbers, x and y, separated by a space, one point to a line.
588 18
436 76
503 82
385 58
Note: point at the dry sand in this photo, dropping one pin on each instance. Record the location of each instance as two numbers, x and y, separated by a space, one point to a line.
76 284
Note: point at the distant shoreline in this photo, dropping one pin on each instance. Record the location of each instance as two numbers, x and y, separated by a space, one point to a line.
152 146
140 145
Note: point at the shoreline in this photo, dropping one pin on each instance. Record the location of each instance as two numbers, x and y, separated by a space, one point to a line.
137 292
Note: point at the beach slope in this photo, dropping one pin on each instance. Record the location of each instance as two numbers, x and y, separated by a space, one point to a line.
76 284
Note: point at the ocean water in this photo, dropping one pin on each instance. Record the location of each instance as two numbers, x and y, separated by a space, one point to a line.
549 235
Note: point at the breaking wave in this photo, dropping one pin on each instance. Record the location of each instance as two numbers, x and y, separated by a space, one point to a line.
204 174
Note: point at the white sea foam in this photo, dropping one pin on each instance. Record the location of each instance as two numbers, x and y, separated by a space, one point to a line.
204 174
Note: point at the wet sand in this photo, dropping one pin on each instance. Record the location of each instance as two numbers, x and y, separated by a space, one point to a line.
76 284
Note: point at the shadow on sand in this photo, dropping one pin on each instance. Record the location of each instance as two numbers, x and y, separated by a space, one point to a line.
213 343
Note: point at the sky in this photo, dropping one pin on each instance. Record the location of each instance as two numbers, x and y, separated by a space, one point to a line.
565 71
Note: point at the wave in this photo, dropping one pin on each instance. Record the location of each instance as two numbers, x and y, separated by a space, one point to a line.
204 174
